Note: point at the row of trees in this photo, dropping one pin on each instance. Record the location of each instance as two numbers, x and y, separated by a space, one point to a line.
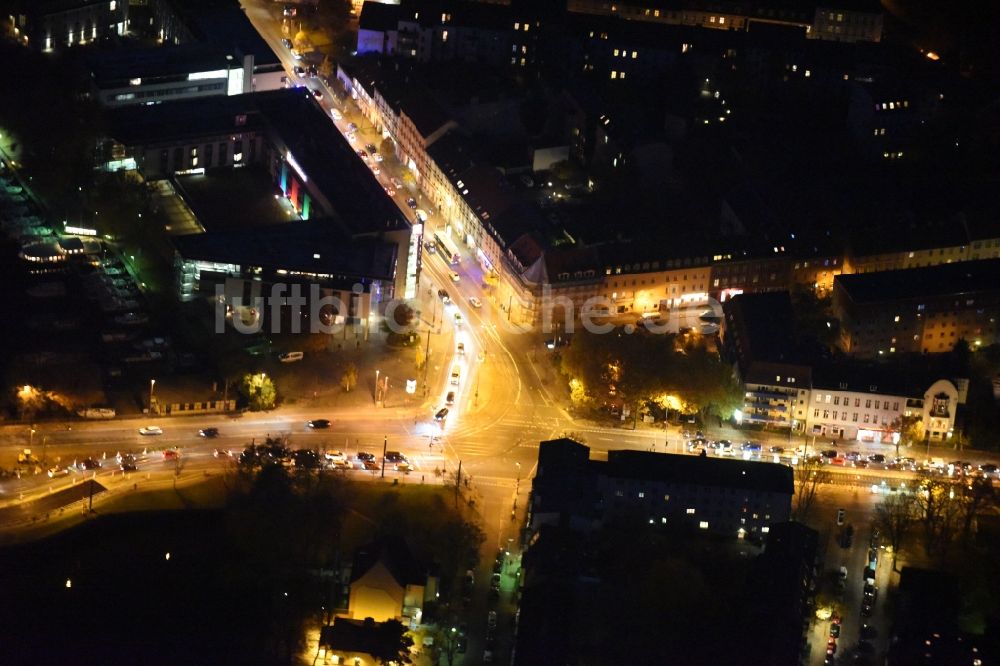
641 368
940 515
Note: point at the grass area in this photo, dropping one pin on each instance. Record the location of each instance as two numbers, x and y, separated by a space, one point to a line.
207 494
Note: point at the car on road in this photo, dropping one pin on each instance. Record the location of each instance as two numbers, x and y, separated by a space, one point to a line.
835 631
151 430
370 465
299 71
405 467
453 276
363 155
394 457
365 456
461 348
171 454
876 458
317 93
392 192
442 414
287 43
828 455
475 302
840 517
222 453
313 71
451 398
491 620
57 471
337 115
376 170
334 456
411 202
319 424
866 610
776 449
989 468
209 432
443 295
88 463
370 147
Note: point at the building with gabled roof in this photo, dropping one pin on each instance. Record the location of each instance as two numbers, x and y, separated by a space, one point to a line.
388 583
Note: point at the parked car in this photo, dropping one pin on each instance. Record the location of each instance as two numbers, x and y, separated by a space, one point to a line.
475 302
291 357
442 414
151 430
450 399
411 202
57 471
209 433
394 457
454 276
364 456
319 424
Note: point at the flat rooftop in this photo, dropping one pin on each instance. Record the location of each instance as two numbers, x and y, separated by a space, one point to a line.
227 199
118 68
317 248
964 278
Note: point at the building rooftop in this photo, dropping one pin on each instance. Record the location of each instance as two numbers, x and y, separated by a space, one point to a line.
399 85
358 199
317 247
224 23
764 324
965 278
397 558
559 456
119 67
378 16
143 125
697 470
897 378
359 636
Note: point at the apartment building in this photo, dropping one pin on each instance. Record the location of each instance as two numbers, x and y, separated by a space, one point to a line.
735 498
866 403
757 334
923 310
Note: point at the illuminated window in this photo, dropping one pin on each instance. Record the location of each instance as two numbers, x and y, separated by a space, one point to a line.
614 74
526 26
711 19
641 495
113 5
237 157
690 512
616 52
194 161
517 25
635 54
703 524
444 36
765 529
722 20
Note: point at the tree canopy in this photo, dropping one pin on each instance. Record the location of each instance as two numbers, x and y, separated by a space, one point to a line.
627 368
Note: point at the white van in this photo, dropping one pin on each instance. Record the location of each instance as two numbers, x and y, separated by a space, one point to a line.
455 375
290 357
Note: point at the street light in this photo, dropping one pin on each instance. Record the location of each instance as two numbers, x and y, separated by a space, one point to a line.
152 383
377 372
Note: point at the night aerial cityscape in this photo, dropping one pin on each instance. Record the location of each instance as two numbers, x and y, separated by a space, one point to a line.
521 332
